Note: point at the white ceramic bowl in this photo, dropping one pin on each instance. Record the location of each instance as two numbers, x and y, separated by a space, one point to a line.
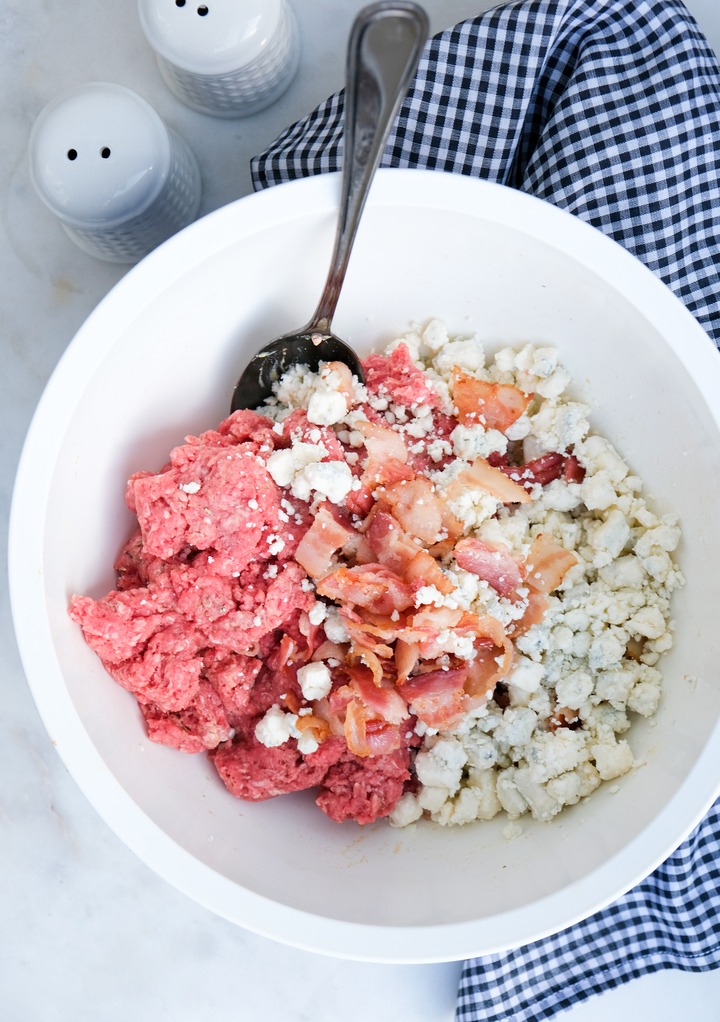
158 359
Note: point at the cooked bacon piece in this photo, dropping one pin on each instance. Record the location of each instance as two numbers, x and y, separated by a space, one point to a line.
407 655
310 722
494 564
372 586
483 675
284 653
493 405
367 735
486 671
487 628
383 700
424 570
390 543
416 506
371 660
361 501
385 472
365 638
318 546
380 625
543 470
394 548
382 442
343 376
548 563
564 717
481 475
386 464
540 470
329 651
427 623
454 529
493 658
437 697
359 551
537 605
573 471
431 631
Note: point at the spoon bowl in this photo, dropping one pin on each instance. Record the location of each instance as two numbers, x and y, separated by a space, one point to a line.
384 48
308 348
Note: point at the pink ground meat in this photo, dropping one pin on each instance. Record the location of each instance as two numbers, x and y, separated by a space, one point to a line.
210 609
202 725
397 376
255 772
206 505
366 789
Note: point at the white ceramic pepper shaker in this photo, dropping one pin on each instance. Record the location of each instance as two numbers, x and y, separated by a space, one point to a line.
228 58
117 178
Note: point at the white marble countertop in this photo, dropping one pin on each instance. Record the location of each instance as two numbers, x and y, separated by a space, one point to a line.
88 932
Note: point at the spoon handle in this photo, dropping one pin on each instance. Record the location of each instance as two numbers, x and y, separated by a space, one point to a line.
385 44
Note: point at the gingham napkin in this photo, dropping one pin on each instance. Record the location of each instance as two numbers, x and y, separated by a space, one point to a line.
611 110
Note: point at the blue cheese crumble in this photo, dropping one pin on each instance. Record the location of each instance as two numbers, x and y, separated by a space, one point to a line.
559 724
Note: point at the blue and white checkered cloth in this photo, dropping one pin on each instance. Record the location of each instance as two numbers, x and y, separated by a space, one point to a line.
611 110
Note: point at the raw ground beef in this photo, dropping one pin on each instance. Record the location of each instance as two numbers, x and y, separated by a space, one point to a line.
396 376
255 772
364 789
211 611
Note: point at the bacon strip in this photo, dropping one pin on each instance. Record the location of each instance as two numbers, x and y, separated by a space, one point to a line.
537 605
367 735
548 563
324 538
425 570
437 697
382 442
542 470
493 405
416 507
407 655
389 542
372 586
483 476
384 700
492 563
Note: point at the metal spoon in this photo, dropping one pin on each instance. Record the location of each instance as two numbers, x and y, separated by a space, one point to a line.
385 44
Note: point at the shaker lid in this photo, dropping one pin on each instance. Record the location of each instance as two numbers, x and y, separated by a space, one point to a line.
99 154
208 37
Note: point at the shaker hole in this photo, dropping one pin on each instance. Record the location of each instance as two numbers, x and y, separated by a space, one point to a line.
105 152
202 10
72 154
179 3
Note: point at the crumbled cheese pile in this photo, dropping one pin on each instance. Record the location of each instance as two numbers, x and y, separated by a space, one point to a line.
557 726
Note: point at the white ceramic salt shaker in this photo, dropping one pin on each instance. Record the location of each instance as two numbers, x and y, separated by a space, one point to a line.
117 178
228 58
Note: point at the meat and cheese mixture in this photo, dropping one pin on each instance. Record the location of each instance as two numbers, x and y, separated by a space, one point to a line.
437 594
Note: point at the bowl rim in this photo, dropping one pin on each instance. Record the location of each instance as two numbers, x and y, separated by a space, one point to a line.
121 306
